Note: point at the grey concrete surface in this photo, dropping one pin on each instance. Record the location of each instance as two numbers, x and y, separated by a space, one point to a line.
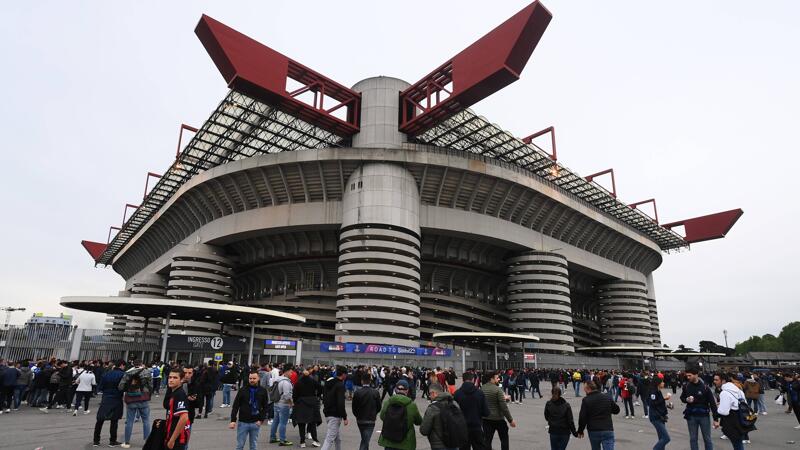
30 429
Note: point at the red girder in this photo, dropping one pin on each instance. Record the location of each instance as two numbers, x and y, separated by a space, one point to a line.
613 180
147 181
125 213
706 228
95 249
488 65
552 131
180 137
260 72
651 200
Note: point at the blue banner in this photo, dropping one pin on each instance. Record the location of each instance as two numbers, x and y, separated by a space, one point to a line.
330 347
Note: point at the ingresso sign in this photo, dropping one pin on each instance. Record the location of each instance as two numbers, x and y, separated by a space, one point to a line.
215 344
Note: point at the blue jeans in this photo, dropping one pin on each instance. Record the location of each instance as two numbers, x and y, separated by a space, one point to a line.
18 391
661 430
142 409
210 401
366 430
559 441
615 393
226 394
246 431
279 423
577 386
703 423
601 438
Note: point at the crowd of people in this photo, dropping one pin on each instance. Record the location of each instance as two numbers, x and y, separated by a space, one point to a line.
463 412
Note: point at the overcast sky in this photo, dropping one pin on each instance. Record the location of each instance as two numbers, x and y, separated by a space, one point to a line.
694 103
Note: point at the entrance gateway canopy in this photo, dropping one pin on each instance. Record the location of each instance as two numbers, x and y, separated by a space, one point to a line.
182 310
622 349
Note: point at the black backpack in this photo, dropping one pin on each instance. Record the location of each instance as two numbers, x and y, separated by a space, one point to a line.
395 424
747 417
454 426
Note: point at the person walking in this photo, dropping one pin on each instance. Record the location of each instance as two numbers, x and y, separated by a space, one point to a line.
658 412
334 408
443 422
577 378
399 414
110 405
250 406
473 405
157 372
728 409
281 396
137 385
85 386
595 417
627 390
560 421
177 406
209 383
793 396
498 412
305 412
24 380
8 376
700 401
366 405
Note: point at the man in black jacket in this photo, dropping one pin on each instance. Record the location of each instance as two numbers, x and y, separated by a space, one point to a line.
595 416
700 401
251 406
209 381
474 406
333 408
366 406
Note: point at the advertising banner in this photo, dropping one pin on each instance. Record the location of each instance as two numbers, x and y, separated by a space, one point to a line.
227 344
384 349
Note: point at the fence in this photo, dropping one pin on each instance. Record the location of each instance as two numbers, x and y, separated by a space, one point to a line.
65 342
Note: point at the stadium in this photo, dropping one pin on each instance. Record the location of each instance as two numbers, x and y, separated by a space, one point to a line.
384 215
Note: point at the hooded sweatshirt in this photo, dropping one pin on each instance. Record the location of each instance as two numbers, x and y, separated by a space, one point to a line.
473 404
729 399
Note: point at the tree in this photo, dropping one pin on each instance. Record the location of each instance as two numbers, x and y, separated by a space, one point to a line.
713 347
790 336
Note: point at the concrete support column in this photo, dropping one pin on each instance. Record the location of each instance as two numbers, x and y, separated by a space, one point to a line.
164 339
252 341
624 313
380 113
538 299
201 272
379 258
651 305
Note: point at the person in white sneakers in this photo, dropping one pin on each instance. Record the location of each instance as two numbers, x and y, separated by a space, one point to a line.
728 410
85 382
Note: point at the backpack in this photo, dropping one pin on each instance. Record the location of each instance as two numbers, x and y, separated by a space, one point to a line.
395 425
454 426
136 389
275 392
747 417
631 387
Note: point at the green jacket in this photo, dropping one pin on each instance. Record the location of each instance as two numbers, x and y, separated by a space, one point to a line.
413 417
498 408
431 425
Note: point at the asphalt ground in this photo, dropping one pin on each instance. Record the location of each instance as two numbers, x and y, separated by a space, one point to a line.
29 429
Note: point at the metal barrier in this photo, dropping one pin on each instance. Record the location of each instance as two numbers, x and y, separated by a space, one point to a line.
43 342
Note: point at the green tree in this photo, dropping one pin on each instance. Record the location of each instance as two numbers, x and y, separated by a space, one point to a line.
790 336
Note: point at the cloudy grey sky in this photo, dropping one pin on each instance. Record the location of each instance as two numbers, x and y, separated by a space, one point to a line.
694 103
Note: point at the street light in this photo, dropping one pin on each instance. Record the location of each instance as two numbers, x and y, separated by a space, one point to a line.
9 310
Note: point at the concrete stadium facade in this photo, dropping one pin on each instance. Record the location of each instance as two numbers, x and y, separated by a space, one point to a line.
388 242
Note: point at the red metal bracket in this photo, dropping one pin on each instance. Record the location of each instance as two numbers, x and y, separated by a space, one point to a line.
147 180
613 181
706 228
108 240
488 65
180 137
552 131
125 213
95 249
653 201
260 72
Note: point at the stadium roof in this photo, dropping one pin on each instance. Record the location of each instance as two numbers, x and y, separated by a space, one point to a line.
260 116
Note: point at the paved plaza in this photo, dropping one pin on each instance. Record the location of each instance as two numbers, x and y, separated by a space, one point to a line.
30 429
